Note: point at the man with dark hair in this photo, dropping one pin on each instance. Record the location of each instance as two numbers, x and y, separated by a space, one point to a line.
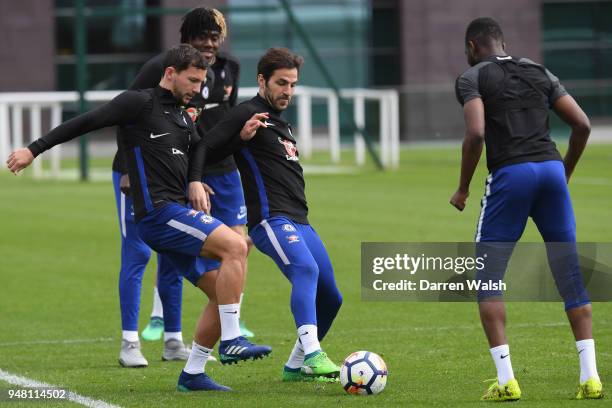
157 137
205 29
266 154
505 103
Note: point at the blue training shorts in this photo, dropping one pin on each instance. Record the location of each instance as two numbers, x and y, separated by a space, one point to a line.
228 201
178 233
513 194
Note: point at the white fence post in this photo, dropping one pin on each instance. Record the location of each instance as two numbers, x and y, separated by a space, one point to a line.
304 107
383 109
5 131
333 112
56 120
395 129
35 133
359 115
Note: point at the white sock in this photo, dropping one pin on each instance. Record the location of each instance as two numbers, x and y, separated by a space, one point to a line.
307 334
158 308
296 359
586 354
240 304
173 335
130 335
501 358
230 328
197 359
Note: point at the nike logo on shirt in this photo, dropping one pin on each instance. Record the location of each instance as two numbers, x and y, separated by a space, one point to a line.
160 135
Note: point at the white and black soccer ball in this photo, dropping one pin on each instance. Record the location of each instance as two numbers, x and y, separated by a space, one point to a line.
363 373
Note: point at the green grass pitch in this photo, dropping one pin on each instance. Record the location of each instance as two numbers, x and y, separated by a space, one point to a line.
59 312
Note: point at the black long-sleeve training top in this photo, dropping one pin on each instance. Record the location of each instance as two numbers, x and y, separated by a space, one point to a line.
156 135
272 178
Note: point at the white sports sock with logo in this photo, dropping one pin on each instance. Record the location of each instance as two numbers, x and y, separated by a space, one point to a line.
586 354
197 359
308 335
501 358
130 335
296 359
230 328
158 308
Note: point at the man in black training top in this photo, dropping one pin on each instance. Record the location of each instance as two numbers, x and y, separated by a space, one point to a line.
205 29
157 136
505 102
266 154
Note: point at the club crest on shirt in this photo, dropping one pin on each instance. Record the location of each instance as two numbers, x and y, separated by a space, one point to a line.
194 113
207 219
292 153
205 92
288 228
293 238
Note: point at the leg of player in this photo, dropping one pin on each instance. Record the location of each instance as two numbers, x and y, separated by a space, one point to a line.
505 208
227 205
155 328
328 302
170 286
231 249
207 333
281 239
554 217
134 257
241 230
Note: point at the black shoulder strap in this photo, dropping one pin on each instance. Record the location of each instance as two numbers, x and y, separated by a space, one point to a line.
511 69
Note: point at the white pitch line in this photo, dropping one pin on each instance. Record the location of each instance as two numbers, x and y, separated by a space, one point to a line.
71 396
69 341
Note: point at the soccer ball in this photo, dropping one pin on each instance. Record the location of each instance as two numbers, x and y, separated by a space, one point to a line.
363 373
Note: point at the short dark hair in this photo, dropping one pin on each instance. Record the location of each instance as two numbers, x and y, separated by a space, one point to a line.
278 58
200 20
183 56
482 31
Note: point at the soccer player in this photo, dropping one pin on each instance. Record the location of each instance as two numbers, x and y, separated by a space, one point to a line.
272 178
505 102
205 29
157 135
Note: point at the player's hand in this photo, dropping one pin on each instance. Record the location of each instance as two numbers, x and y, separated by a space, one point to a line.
459 198
198 197
19 160
209 192
250 127
124 184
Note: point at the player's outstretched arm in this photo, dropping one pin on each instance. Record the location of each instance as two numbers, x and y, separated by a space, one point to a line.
473 113
570 112
123 108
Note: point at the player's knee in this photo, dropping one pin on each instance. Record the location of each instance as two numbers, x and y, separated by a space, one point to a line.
580 305
305 274
236 250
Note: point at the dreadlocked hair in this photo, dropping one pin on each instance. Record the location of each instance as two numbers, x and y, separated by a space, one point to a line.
201 19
